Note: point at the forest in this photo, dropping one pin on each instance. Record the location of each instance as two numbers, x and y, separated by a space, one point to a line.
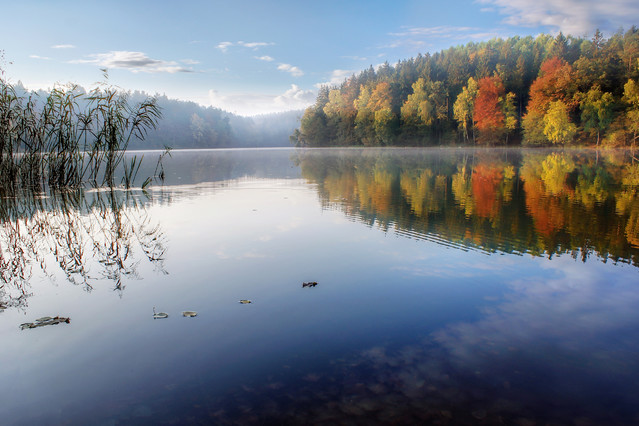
184 124
533 91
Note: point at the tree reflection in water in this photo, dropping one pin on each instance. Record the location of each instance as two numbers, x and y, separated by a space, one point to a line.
86 235
538 202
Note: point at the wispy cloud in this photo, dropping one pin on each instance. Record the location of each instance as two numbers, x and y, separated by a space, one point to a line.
255 45
46 58
444 31
356 58
421 37
294 71
252 104
265 58
63 46
133 61
189 61
577 17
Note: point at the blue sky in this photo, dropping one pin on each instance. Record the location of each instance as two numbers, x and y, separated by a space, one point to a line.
250 56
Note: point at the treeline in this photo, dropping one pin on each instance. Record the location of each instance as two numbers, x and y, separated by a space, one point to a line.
522 90
187 125
190 125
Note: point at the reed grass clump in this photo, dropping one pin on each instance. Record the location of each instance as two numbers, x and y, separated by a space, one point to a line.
71 137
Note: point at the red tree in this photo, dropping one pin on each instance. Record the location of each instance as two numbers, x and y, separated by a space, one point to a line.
553 84
489 116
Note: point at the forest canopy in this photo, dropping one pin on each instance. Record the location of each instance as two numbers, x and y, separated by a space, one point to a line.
540 90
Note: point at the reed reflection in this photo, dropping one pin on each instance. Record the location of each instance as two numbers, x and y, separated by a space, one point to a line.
537 202
83 236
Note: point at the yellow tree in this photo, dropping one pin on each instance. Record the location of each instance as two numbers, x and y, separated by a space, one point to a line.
464 107
364 117
380 103
631 97
557 125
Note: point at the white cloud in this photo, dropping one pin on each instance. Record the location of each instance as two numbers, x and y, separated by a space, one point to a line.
265 58
294 71
225 45
189 61
253 104
46 58
133 61
63 46
337 77
576 17
254 44
295 98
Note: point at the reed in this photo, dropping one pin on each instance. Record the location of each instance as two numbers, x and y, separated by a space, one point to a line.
71 137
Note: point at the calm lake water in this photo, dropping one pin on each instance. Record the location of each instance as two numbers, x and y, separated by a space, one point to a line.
453 287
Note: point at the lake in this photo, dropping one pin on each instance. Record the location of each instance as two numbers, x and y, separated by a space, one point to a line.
454 286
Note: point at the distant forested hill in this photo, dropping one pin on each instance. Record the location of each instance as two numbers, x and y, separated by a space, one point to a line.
189 125
535 91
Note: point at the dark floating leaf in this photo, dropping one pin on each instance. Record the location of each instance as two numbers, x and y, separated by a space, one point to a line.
309 284
41 322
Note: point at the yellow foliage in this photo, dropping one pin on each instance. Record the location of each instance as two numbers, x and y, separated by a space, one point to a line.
555 169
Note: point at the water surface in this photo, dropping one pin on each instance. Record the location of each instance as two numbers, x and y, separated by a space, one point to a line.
454 287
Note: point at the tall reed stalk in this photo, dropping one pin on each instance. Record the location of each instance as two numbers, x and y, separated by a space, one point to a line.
71 137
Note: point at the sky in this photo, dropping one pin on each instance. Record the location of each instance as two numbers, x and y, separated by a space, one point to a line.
252 56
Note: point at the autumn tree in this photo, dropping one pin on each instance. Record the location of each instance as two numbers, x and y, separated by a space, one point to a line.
557 125
464 107
553 85
375 120
494 112
364 117
631 98
383 120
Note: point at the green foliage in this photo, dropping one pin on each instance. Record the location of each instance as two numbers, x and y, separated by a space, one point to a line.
596 110
426 105
434 97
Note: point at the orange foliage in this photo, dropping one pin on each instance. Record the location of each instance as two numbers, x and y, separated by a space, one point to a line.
485 183
552 85
546 211
488 113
